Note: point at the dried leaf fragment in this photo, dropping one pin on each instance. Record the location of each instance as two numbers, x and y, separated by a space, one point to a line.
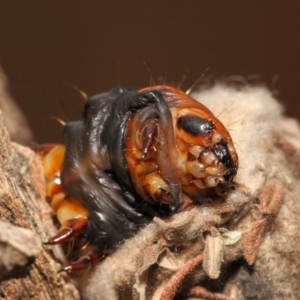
213 253
18 247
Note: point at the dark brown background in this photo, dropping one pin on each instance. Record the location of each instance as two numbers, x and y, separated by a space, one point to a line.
46 47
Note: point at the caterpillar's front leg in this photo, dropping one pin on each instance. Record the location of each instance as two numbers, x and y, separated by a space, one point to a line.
143 140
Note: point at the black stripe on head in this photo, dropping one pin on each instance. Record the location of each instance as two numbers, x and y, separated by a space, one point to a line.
195 125
221 151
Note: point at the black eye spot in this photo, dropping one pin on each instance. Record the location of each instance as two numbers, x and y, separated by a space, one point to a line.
221 151
195 125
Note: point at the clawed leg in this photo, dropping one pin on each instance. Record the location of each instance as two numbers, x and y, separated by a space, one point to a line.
72 229
84 263
157 188
153 183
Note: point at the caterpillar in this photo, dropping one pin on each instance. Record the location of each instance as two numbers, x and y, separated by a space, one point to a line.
135 154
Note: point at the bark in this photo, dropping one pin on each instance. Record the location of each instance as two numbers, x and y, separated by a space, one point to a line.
28 270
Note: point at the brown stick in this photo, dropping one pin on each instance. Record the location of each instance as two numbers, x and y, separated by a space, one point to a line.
175 281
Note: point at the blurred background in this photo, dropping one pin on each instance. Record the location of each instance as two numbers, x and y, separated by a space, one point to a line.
48 48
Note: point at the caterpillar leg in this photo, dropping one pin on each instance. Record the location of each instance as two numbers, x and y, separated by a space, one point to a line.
71 214
72 228
52 156
83 263
142 140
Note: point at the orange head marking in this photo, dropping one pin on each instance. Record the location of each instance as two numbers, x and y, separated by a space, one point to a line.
206 160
